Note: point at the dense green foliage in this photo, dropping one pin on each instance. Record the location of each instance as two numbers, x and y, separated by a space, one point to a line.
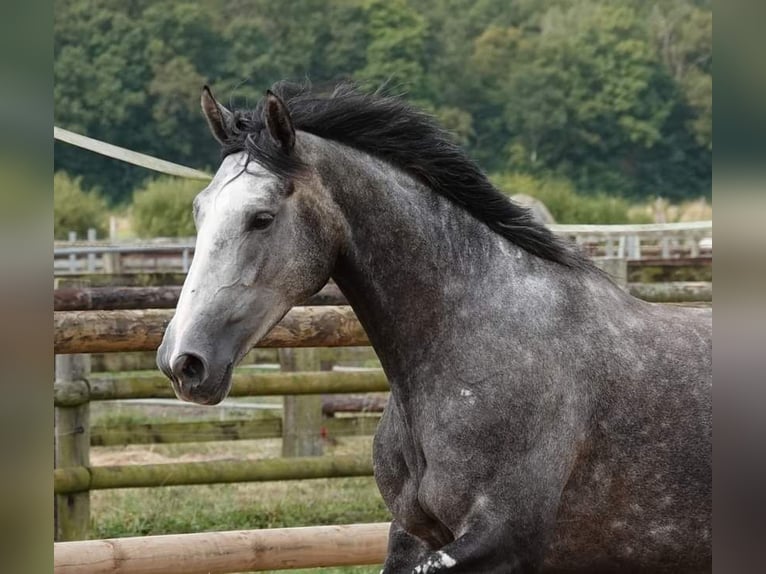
75 209
163 208
614 96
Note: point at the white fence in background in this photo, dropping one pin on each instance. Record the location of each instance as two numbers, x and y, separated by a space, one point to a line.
692 241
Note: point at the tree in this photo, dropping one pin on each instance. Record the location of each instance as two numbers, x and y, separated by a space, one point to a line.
683 39
395 48
163 208
76 210
611 95
100 78
586 97
119 76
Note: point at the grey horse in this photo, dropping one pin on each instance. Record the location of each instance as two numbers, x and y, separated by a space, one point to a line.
541 419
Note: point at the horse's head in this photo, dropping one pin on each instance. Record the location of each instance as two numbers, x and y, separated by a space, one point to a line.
266 240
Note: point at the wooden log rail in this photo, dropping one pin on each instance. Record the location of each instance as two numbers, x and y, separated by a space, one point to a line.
105 387
332 406
142 330
81 479
226 552
203 431
166 297
674 292
330 326
163 297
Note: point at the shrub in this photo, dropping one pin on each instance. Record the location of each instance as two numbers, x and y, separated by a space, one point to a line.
661 210
563 202
75 209
163 208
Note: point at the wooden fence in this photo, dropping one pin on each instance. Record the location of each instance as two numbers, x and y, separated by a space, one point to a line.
78 333
74 477
318 326
686 243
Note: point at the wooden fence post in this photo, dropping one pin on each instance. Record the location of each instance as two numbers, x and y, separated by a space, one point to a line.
71 435
302 415
72 237
112 262
91 256
72 442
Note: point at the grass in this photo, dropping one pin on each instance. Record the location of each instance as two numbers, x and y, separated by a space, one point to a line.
145 512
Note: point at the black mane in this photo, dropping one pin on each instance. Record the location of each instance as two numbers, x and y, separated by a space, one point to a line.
388 128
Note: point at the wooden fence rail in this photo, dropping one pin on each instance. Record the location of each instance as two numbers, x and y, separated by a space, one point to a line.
166 297
328 326
204 431
80 479
104 387
673 292
162 297
142 330
226 552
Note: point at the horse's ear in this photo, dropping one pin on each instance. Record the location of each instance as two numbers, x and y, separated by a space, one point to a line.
278 122
218 117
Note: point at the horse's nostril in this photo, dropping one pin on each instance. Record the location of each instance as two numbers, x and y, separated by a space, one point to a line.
189 368
192 367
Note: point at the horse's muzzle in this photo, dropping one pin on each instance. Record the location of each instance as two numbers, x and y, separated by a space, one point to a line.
194 377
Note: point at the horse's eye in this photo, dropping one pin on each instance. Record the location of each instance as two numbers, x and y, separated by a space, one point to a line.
259 221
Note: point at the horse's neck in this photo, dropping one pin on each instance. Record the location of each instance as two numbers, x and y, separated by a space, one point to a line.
412 260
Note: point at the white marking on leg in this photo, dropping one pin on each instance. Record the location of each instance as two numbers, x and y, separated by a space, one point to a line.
446 560
440 561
